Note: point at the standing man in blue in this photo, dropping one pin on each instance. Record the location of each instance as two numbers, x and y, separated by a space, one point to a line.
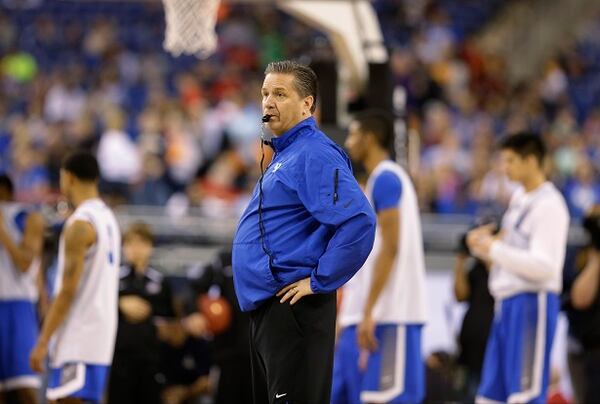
307 229
21 241
527 258
383 308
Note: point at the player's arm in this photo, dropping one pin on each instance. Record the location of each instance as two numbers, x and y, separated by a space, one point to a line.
462 290
23 254
389 224
586 285
79 236
387 191
547 240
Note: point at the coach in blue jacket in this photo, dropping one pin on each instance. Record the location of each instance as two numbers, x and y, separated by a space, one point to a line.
303 236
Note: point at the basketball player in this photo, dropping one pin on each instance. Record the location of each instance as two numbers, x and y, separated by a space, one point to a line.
81 323
383 308
525 279
21 240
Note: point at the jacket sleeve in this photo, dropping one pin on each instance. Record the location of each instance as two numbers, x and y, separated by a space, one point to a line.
330 193
545 255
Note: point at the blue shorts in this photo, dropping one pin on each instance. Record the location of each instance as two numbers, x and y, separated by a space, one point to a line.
79 380
18 335
394 373
516 368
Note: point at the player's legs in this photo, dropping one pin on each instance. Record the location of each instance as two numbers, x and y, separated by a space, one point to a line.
18 334
77 381
518 354
529 345
491 388
347 377
395 371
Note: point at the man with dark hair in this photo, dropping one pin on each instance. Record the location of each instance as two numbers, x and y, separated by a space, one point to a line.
582 306
144 297
383 308
81 323
526 259
524 145
6 188
21 241
307 229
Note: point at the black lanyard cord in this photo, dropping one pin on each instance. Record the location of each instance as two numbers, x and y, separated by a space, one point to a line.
261 224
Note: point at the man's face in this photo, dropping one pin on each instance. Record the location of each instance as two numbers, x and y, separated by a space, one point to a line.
281 100
356 142
136 248
515 167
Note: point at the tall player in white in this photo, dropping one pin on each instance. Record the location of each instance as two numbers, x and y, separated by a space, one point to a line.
80 328
527 258
21 240
383 305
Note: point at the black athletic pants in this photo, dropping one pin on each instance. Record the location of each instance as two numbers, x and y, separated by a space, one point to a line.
291 350
133 381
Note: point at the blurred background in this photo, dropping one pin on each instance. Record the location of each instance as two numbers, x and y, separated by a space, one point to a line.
177 138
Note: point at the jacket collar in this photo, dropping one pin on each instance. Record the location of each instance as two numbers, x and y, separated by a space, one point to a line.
281 142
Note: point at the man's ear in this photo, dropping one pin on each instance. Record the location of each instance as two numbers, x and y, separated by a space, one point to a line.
308 103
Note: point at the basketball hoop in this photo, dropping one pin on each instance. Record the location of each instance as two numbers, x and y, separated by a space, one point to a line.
191 27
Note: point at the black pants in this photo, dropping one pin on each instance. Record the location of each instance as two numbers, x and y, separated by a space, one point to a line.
291 350
235 385
584 368
133 381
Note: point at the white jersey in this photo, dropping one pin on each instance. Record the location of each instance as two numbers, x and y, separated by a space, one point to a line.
88 332
14 284
531 254
402 301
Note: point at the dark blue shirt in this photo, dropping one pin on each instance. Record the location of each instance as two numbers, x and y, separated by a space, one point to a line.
317 221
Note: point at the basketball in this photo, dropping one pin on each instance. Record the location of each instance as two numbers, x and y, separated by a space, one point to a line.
217 312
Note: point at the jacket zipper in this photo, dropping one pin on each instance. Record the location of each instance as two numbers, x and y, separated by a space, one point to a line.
335 186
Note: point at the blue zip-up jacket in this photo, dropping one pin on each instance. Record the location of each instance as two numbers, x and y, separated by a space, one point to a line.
317 220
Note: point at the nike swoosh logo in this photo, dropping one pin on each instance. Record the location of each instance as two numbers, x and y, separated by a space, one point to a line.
348 204
280 395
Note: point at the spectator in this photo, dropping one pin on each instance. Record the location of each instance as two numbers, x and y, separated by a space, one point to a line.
144 298
583 190
118 157
582 284
231 347
67 64
185 367
65 100
471 286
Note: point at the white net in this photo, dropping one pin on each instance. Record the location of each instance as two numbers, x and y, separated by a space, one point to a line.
191 27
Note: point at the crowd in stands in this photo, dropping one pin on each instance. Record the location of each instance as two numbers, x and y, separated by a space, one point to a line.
94 75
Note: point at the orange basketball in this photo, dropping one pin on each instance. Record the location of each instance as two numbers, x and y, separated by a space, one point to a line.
217 312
